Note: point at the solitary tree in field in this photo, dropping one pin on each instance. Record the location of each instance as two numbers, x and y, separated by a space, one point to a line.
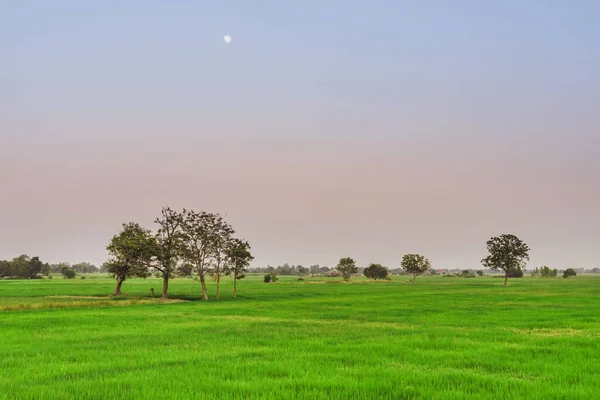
376 271
415 264
238 260
169 240
569 272
347 267
132 250
507 253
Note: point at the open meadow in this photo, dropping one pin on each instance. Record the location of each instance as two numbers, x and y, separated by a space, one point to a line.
442 338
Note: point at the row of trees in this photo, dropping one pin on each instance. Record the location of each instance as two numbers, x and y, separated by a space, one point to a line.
507 253
25 267
185 242
413 264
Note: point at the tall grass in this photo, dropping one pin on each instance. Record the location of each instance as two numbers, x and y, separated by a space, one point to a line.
441 338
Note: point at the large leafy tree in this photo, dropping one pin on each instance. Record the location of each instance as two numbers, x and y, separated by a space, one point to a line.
376 271
238 260
507 253
168 245
205 236
347 267
132 250
415 264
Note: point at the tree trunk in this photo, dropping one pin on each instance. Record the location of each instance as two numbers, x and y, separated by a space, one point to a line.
218 285
505 278
117 291
203 284
413 279
165 286
235 286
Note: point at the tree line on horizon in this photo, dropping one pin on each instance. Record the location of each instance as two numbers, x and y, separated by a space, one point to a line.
202 244
25 267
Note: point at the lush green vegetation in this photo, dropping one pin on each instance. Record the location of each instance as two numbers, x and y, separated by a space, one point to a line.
314 339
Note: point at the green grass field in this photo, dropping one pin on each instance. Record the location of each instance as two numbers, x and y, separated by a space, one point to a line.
443 338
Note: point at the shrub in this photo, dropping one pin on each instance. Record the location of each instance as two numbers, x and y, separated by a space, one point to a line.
271 278
569 272
376 271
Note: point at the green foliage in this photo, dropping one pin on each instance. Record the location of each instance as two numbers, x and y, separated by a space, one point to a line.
131 250
415 264
238 259
376 271
347 267
546 272
23 267
569 272
480 272
68 273
507 253
270 277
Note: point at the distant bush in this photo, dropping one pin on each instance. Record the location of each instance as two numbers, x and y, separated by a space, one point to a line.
376 271
68 273
83 277
300 279
480 273
271 278
569 272
546 272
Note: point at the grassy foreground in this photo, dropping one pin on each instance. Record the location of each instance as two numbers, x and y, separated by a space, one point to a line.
443 338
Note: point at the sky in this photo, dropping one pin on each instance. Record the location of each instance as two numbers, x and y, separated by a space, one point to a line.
325 129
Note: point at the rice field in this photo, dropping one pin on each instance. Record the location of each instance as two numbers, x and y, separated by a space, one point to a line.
442 338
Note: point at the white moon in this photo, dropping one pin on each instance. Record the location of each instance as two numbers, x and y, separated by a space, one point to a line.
227 39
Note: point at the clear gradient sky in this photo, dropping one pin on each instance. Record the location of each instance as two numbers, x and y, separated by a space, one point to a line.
325 129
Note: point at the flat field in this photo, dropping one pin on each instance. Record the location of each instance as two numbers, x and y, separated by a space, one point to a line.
443 338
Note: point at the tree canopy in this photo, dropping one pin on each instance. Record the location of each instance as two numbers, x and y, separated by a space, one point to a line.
347 267
415 264
507 253
376 271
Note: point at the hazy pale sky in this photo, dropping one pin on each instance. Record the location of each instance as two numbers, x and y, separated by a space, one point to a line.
326 129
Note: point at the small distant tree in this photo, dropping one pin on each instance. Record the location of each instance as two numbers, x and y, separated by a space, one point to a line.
535 272
68 273
131 252
415 264
569 272
271 277
314 269
347 267
507 253
546 272
480 272
376 271
238 260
